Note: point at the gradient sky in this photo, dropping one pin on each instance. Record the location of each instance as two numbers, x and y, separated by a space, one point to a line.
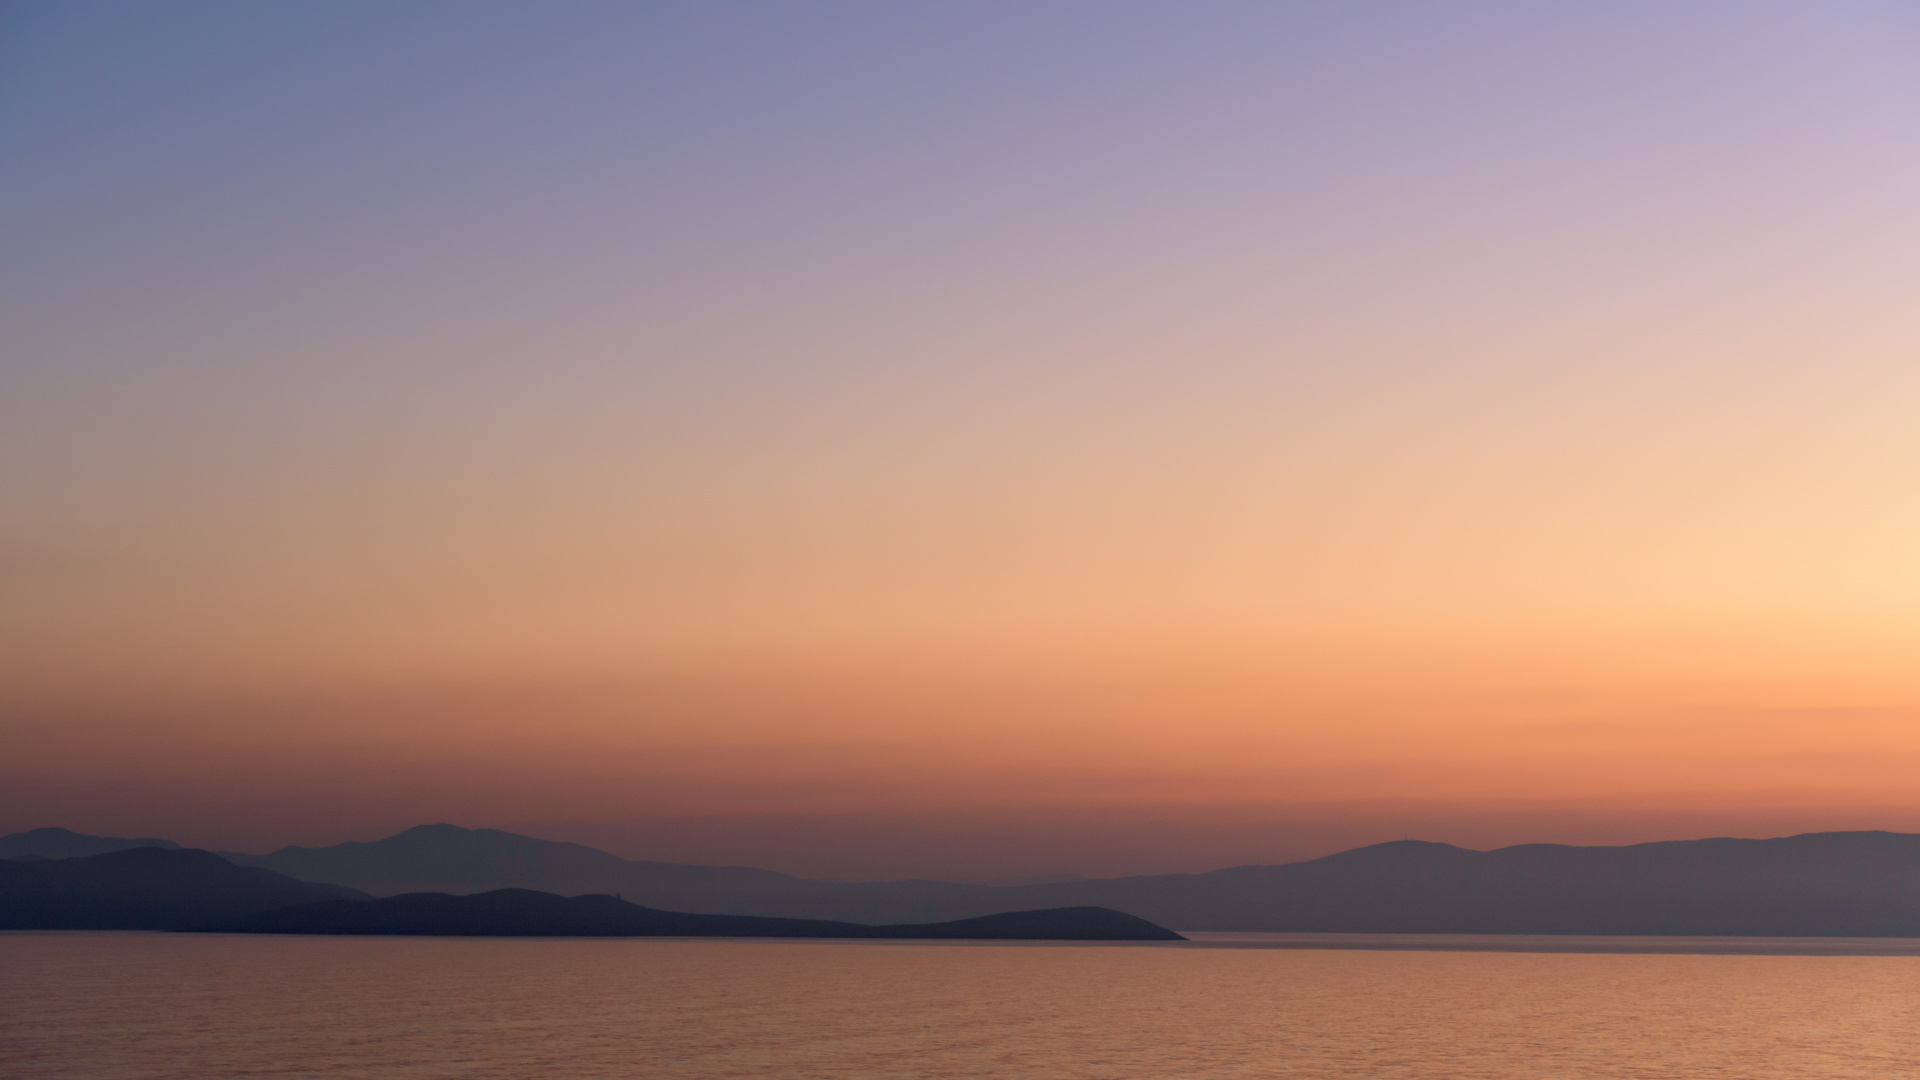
867 440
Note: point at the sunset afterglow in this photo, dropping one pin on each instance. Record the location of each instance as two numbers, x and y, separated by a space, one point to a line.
871 441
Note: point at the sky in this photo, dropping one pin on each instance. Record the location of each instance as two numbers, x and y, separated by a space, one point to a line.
964 441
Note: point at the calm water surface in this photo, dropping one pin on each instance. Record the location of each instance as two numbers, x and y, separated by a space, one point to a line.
196 1007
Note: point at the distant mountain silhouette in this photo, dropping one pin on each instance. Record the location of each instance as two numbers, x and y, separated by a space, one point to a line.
67 844
1859 884
1864 884
525 913
451 859
144 889
448 858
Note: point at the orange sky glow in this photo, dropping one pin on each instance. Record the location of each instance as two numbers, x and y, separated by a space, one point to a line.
867 470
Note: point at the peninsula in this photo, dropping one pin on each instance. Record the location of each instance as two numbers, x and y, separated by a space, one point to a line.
526 913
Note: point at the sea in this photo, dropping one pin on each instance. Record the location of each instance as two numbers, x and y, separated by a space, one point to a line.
140 1006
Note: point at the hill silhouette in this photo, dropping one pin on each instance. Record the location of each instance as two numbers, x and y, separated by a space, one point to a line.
448 858
1844 884
1821 884
56 843
1857 884
452 859
144 889
525 913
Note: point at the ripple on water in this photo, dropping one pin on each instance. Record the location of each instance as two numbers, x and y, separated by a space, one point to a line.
194 1007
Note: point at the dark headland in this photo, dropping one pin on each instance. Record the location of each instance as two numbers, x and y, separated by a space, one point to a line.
144 888
525 913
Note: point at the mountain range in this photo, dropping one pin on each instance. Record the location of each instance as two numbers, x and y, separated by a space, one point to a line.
145 888
1819 884
67 844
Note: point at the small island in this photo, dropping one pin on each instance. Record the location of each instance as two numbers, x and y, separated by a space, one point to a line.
526 913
